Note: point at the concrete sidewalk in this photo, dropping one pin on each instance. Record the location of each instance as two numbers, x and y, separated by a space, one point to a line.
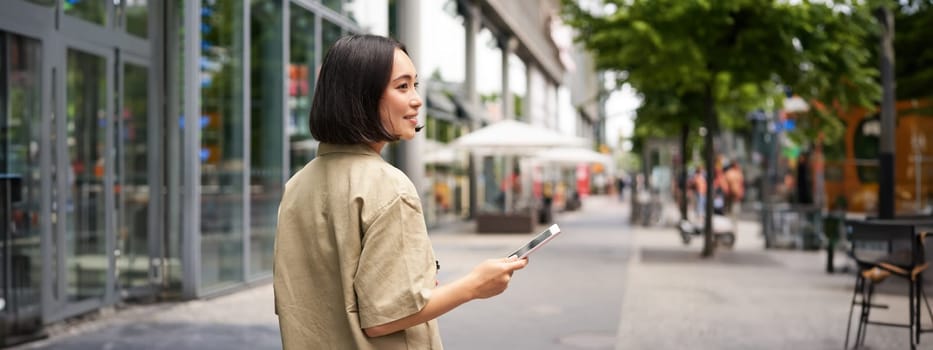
744 298
666 296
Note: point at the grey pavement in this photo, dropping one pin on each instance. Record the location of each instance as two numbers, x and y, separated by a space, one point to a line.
600 285
744 298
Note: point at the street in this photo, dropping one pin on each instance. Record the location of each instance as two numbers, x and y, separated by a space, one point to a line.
568 297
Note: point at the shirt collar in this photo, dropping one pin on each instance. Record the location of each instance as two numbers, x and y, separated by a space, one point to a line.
328 148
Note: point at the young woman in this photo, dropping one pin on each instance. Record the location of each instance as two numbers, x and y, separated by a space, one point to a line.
354 268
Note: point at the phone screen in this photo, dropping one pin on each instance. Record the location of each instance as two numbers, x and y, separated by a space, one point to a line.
539 240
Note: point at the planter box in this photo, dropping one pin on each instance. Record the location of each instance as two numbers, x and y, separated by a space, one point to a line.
524 222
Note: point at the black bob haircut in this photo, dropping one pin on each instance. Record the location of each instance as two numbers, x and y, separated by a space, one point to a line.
353 77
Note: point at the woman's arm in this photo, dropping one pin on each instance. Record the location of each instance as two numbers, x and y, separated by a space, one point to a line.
487 279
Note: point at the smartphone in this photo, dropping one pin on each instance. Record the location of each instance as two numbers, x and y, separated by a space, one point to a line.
537 242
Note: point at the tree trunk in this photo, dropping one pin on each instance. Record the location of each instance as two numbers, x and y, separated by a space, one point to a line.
684 134
711 127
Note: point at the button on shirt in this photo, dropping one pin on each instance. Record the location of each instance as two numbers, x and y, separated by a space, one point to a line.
351 252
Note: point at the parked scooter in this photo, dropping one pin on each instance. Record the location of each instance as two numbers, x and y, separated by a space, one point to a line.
723 228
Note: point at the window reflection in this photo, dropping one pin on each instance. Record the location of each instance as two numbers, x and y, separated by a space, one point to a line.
336 5
94 11
133 179
266 130
135 15
85 233
222 144
330 32
20 102
301 79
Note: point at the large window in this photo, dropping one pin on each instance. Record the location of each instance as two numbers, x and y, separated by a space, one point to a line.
94 11
301 80
85 234
222 144
133 178
266 130
135 16
866 145
20 102
330 32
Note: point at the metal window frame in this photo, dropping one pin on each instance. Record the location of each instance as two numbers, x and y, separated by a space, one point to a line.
247 136
63 306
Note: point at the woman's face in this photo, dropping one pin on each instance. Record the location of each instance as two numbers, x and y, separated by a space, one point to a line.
400 102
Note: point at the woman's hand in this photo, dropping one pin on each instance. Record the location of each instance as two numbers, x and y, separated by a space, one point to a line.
487 279
492 276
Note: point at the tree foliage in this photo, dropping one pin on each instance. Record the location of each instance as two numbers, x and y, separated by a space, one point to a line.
723 58
914 57
685 46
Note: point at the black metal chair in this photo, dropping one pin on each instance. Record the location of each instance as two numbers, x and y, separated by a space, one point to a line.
880 250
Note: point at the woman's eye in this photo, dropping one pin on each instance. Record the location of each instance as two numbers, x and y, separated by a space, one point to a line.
403 86
417 85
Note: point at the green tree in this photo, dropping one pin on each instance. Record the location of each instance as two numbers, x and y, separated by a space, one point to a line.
729 54
914 53
665 114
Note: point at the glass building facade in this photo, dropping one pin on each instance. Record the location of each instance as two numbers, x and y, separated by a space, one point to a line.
144 145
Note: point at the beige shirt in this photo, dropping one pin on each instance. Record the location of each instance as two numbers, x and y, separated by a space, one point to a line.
351 252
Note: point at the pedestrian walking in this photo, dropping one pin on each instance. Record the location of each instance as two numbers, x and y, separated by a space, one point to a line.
354 268
736 182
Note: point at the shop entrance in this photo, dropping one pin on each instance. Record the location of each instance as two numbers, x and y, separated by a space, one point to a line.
80 160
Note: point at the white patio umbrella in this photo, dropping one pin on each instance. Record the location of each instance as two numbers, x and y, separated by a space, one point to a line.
510 137
571 156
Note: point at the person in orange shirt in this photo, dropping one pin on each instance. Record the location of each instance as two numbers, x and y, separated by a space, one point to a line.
736 184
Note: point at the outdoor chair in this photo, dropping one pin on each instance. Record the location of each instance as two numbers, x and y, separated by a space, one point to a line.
881 250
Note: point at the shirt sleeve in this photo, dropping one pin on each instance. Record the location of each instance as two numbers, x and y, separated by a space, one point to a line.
396 270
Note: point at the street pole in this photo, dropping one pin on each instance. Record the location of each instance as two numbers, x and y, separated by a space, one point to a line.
888 115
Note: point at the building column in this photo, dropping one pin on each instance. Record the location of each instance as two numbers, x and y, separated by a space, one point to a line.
409 29
508 43
472 27
191 146
469 85
528 109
